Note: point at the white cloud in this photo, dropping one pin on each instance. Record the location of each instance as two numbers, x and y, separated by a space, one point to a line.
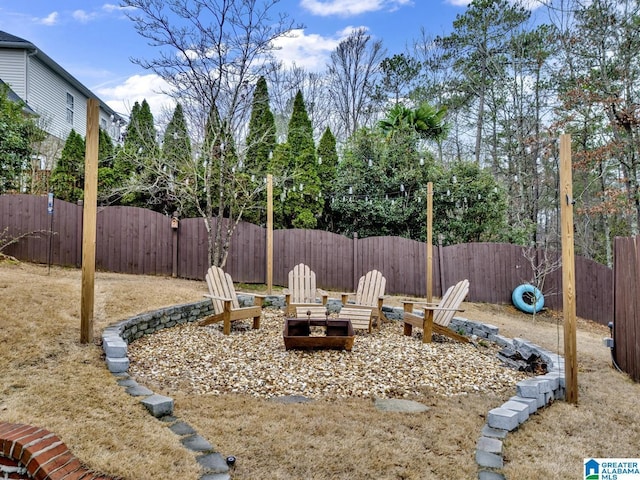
346 8
50 19
134 89
82 16
111 8
309 51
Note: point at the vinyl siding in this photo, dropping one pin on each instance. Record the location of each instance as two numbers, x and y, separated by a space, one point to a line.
48 96
13 70
45 91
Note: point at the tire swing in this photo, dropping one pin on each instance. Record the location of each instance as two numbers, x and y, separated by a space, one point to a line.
527 298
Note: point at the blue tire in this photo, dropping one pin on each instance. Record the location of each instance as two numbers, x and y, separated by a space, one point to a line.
527 298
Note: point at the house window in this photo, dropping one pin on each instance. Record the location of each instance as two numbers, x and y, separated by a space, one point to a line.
70 108
103 124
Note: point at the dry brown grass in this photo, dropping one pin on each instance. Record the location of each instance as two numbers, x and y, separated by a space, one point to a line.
49 379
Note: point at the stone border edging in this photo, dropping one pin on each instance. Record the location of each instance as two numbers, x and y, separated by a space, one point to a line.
28 452
531 394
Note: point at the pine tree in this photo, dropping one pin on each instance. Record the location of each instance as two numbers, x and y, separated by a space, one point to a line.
300 131
136 166
261 142
327 170
67 178
261 139
176 147
303 202
106 161
141 132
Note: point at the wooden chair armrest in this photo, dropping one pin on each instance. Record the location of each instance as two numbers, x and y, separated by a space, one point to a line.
215 297
344 297
286 291
407 305
417 303
251 294
258 298
429 307
324 296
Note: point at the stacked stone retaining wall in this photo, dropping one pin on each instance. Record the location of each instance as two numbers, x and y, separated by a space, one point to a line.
530 396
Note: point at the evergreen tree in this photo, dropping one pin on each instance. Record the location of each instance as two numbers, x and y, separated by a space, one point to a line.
139 143
137 166
300 131
176 160
261 139
67 178
105 149
470 206
176 146
17 134
477 46
261 142
380 188
281 164
303 202
106 161
327 171
398 75
141 132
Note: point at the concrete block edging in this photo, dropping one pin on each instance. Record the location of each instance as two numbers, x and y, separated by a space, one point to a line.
531 394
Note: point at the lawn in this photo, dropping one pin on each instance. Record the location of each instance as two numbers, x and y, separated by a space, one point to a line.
51 380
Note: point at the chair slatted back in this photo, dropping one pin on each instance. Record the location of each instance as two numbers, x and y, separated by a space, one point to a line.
370 287
451 300
302 284
221 285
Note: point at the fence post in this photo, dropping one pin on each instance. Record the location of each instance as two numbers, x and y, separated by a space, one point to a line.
175 223
441 262
355 259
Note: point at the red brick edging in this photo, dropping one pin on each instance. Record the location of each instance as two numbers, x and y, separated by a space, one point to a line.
33 453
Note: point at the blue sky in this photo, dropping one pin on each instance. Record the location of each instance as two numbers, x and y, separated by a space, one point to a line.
94 41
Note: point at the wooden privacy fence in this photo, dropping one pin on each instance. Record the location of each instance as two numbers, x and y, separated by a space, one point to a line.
626 327
139 241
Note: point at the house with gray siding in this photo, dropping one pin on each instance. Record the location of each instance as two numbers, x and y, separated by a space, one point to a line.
58 99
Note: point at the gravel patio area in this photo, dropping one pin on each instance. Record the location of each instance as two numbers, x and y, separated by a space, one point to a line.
383 364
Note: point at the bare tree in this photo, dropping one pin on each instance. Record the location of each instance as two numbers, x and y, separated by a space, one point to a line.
211 52
543 261
284 83
352 73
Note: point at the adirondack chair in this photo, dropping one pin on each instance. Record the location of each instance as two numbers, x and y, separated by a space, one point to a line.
226 307
302 291
369 295
437 317
361 317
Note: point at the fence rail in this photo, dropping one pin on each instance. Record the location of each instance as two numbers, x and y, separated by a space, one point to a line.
138 241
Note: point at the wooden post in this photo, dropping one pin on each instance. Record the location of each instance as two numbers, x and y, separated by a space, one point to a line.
429 242
89 221
269 233
175 224
441 264
568 270
355 261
